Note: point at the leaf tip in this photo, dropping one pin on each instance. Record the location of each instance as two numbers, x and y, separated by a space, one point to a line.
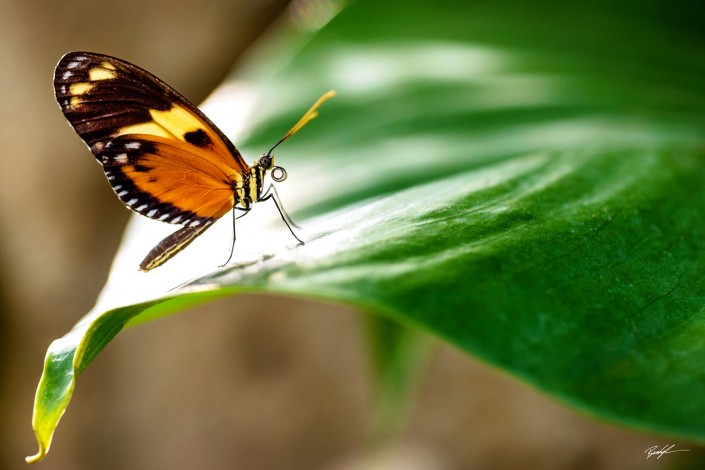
38 456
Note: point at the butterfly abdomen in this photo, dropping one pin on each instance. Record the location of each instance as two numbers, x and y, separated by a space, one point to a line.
170 246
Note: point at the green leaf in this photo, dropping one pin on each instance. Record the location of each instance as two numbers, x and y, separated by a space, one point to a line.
522 181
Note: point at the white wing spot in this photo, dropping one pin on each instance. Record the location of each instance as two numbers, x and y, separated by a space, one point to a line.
118 187
164 217
63 89
131 202
122 193
176 220
68 74
121 158
195 223
132 145
73 65
151 213
142 207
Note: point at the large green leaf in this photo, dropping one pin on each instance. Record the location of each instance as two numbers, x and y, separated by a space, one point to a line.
522 181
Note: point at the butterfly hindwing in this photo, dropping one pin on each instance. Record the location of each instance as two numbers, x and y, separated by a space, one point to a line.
166 180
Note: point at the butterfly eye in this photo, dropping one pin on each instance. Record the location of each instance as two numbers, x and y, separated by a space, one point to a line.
279 174
265 161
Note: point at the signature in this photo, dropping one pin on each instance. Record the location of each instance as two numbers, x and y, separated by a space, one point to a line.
654 450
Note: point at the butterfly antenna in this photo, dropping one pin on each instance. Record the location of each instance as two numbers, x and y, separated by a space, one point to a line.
305 119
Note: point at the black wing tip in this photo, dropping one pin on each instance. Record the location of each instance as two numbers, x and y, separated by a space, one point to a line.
73 57
76 55
81 57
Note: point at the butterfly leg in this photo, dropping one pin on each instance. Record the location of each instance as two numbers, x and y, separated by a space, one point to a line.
271 191
285 217
232 247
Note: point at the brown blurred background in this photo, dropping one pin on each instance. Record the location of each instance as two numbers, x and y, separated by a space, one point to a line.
252 382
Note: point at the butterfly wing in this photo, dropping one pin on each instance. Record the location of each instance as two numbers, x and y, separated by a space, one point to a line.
163 157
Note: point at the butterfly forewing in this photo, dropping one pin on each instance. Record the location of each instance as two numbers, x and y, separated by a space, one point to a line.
104 97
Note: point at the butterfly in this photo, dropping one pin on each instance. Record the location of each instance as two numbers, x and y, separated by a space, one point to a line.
162 156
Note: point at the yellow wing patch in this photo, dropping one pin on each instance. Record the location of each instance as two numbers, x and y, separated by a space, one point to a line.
173 123
177 118
149 128
80 88
106 71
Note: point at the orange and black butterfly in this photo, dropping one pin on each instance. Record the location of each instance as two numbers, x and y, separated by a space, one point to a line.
163 157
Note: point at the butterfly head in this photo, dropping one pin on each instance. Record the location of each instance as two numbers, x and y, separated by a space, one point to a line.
266 163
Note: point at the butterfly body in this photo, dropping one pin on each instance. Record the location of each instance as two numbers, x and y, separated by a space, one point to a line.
162 156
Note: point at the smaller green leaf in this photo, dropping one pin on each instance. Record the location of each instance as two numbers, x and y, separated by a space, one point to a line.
66 358
399 356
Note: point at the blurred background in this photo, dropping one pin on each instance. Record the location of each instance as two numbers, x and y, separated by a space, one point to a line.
253 381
